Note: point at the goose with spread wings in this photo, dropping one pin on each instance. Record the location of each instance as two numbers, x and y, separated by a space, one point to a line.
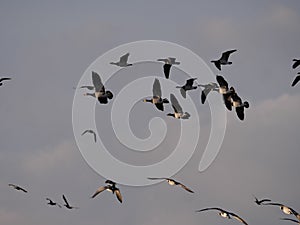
172 182
157 99
100 92
168 64
285 209
111 187
123 61
224 59
178 112
225 214
238 104
188 86
207 88
225 91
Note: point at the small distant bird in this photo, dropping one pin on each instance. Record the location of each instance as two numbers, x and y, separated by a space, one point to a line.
188 86
91 132
168 64
296 221
67 205
225 214
111 187
285 209
178 112
100 92
3 79
224 59
18 188
123 61
207 89
172 183
223 89
157 96
297 78
260 202
50 202
296 63
238 104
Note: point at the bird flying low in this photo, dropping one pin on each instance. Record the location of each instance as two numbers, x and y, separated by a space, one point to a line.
111 187
224 59
188 86
100 92
157 96
123 61
18 188
178 112
225 214
168 64
172 183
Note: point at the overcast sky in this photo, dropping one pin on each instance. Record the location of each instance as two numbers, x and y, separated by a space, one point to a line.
45 46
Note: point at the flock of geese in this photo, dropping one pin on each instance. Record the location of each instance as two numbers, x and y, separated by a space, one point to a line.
231 100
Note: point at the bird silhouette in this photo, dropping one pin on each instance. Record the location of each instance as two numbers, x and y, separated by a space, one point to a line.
111 187
123 61
178 112
168 64
67 205
18 188
224 59
172 182
91 132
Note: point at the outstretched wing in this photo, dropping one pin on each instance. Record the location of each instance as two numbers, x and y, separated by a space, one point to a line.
157 178
95 137
160 106
65 199
238 218
186 188
175 104
97 82
225 55
213 208
183 92
84 132
190 82
296 221
296 80
156 90
4 78
295 65
119 196
98 191
221 81
124 58
167 68
240 112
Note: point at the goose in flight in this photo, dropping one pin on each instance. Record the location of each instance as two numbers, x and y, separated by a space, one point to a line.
260 202
223 89
285 209
100 92
238 104
52 203
295 221
91 132
67 205
224 59
18 188
157 96
168 64
178 112
172 183
123 61
3 79
111 187
225 214
207 89
296 63
188 86
296 80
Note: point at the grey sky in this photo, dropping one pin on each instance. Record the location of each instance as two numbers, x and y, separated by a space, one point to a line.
47 45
